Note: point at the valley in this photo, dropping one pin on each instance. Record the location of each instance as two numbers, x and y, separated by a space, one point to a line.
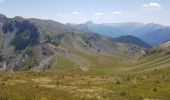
47 60
141 81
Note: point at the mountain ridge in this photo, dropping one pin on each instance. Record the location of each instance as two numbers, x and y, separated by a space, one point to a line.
132 39
140 30
25 43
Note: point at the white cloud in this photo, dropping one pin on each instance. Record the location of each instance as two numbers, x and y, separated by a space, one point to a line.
98 14
152 6
78 13
117 13
75 12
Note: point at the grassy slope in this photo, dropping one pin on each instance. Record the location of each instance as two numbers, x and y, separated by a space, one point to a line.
150 63
108 79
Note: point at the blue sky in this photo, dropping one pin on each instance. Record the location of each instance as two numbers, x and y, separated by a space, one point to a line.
99 11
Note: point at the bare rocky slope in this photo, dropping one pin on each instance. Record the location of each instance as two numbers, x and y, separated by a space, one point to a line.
34 44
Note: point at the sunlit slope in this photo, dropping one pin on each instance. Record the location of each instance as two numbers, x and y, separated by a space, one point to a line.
156 58
89 63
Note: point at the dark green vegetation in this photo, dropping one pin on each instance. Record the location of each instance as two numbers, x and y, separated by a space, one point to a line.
31 44
27 35
133 40
46 60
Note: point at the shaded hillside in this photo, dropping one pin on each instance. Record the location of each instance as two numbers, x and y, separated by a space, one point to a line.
133 40
34 44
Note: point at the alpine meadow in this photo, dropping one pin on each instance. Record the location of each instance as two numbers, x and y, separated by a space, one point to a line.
84 50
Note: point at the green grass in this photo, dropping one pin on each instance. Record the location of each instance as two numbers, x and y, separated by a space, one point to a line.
77 86
107 79
150 63
63 64
102 64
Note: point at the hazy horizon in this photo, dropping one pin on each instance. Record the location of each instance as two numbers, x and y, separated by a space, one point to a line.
80 11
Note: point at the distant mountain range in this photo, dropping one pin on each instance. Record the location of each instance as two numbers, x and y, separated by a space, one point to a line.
154 34
34 44
157 37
